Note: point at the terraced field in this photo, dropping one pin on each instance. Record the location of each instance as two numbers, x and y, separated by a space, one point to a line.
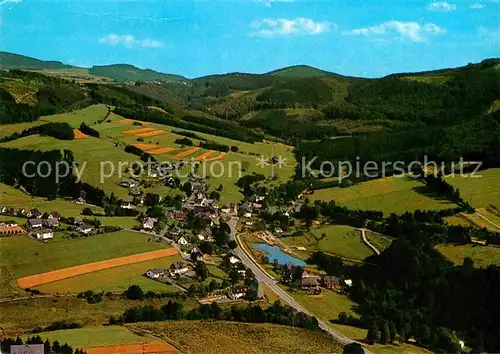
23 256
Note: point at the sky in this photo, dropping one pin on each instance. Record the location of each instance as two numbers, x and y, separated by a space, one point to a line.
194 38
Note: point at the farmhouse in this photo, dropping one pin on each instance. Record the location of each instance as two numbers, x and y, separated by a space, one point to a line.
205 235
128 183
80 200
149 223
54 215
33 213
196 254
182 241
178 268
9 227
34 223
77 220
134 191
238 292
52 222
84 229
44 234
309 282
331 282
127 205
233 260
155 273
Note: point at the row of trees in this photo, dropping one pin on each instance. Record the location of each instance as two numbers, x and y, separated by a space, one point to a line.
48 347
62 131
84 128
276 313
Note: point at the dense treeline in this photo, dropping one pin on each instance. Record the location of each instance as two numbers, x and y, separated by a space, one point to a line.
40 179
211 145
48 348
411 291
474 140
51 96
148 115
184 141
84 128
275 313
142 154
61 131
463 94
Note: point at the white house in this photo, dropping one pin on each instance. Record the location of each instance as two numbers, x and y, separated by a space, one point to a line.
44 234
239 292
3 209
84 229
248 215
178 268
248 223
149 223
233 260
128 183
127 206
155 273
182 241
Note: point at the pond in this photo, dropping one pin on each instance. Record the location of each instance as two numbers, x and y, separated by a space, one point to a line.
273 252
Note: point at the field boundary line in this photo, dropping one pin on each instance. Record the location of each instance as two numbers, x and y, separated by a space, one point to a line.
55 275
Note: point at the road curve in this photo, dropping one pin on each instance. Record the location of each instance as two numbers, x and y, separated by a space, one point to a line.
263 277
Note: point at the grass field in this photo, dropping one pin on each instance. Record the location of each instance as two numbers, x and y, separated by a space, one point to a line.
91 152
482 256
12 197
390 195
115 279
22 256
214 337
88 115
9 129
479 192
380 242
341 240
19 316
95 336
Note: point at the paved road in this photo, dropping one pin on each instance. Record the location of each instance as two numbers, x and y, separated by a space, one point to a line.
263 277
365 240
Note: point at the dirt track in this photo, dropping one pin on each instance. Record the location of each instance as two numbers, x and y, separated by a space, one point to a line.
42 278
155 347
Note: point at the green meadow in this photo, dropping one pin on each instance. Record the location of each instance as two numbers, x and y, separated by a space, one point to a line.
390 195
481 191
23 255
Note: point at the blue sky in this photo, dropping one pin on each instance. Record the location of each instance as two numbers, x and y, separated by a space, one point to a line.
195 38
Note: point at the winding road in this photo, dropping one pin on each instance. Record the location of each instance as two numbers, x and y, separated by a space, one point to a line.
263 277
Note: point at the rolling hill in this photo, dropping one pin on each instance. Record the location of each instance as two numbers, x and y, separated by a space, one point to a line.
299 71
126 72
22 62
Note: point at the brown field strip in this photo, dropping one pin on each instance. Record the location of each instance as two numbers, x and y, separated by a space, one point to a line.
218 157
145 147
150 134
137 131
205 155
43 278
79 134
154 347
188 152
131 121
160 150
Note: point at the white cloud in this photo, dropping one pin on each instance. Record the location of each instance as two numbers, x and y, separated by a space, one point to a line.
489 35
269 27
405 30
442 6
268 3
129 41
4 2
476 6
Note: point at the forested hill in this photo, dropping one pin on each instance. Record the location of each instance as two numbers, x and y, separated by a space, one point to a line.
17 61
126 72
401 114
